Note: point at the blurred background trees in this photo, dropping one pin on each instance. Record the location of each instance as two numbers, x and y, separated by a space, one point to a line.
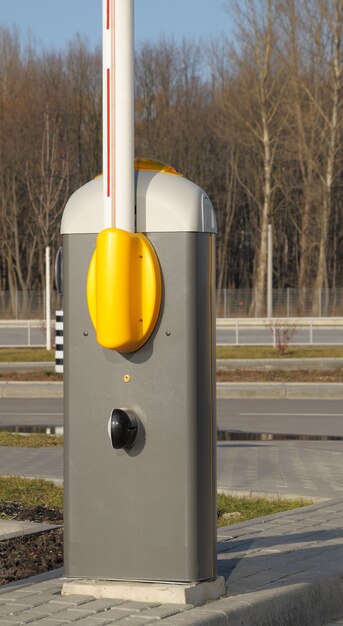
256 121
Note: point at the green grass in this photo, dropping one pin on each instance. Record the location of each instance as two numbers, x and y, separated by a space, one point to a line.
26 354
268 352
223 352
250 507
31 441
31 492
273 375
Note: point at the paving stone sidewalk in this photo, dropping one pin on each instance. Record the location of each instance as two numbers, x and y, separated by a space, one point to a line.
284 569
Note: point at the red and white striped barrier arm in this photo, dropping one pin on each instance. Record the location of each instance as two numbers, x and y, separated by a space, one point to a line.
118 114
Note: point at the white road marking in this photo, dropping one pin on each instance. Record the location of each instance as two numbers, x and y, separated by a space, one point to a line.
34 413
296 414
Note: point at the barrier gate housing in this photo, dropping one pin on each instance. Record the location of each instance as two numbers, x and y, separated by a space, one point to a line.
147 510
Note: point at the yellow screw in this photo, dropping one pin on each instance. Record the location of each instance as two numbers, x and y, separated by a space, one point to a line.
126 378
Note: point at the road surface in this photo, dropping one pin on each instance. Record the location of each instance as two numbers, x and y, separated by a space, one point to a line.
31 412
287 416
307 468
307 417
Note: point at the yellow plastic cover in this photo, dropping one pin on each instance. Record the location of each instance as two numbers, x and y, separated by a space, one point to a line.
124 289
155 166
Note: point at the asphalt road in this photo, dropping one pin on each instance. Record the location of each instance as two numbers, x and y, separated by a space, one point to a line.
311 469
31 412
306 468
301 417
307 417
253 336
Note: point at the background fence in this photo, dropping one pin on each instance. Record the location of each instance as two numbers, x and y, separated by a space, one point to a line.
240 331
231 303
236 303
27 305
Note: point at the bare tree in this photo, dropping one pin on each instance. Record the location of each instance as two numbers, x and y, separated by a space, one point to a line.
332 21
83 110
252 99
48 188
314 57
256 121
17 246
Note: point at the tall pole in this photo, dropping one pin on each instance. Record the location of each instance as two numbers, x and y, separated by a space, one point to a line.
47 298
270 273
118 114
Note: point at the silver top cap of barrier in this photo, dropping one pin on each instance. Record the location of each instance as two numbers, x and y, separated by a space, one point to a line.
164 203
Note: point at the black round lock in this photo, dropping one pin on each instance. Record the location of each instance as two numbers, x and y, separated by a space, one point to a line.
123 429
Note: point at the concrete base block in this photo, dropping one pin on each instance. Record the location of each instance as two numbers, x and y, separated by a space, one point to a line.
184 593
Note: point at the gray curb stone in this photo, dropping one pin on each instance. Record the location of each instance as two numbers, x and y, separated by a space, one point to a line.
13 528
299 604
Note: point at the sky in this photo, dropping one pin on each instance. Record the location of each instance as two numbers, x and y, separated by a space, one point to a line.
52 23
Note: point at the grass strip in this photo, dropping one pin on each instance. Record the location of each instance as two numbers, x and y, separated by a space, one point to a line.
223 352
280 376
25 355
35 492
269 374
233 509
31 376
34 440
268 352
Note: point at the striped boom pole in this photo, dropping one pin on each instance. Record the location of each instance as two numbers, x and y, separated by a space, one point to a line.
118 114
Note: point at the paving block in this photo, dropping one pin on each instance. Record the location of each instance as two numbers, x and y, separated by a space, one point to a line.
165 610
